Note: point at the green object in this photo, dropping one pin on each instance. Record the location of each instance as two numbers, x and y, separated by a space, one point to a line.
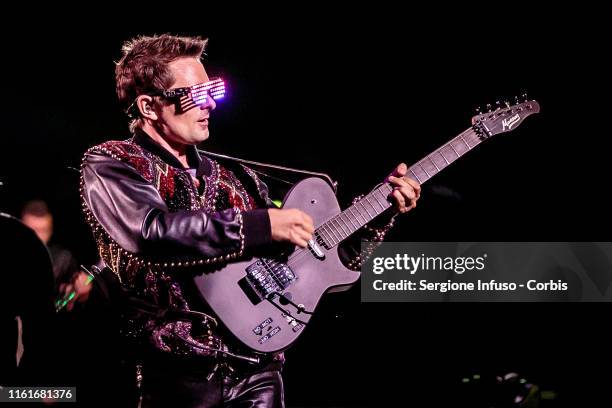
277 203
62 302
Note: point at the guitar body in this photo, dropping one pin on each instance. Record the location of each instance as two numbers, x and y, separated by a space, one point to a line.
241 293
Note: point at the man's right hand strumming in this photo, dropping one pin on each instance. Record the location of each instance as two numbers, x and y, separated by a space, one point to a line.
291 225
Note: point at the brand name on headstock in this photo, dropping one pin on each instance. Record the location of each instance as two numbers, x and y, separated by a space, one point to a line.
509 122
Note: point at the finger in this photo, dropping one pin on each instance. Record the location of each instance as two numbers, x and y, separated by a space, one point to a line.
305 235
302 220
307 224
399 199
306 227
307 218
397 181
295 237
400 170
83 298
300 242
408 193
414 184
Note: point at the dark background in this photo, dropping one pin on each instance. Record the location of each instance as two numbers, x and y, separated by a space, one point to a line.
353 93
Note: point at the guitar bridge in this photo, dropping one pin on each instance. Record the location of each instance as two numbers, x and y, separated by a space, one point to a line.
267 276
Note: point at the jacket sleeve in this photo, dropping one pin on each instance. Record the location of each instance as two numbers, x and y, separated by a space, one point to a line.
356 250
134 215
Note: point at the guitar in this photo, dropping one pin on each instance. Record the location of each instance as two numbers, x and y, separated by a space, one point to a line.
267 302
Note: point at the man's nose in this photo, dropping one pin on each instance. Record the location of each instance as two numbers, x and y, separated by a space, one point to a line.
209 104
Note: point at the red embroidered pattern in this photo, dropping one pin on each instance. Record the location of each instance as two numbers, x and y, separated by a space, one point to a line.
234 193
148 166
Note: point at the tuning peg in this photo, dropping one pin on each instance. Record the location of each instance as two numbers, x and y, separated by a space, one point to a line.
478 110
525 97
507 103
489 107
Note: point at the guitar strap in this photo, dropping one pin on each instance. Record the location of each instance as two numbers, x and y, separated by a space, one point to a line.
333 184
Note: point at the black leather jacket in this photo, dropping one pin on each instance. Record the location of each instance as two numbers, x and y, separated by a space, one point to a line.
156 224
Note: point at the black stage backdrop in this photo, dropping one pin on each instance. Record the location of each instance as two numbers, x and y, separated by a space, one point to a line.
353 96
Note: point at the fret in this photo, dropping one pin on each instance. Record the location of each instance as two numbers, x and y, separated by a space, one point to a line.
337 226
346 224
375 198
367 198
424 169
466 143
415 176
330 234
451 146
429 167
381 206
333 231
462 148
474 138
344 219
341 230
366 210
441 153
320 231
351 219
365 219
326 237
383 196
434 163
351 210
440 159
388 189
423 174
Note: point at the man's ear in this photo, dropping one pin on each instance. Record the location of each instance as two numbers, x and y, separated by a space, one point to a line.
145 107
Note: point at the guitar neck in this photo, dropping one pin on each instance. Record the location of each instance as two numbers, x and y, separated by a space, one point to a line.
343 225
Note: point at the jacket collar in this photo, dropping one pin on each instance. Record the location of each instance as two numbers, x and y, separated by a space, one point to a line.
201 163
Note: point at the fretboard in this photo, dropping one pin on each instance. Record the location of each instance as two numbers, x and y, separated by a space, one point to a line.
343 225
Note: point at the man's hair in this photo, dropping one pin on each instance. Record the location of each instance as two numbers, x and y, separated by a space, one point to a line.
37 208
143 66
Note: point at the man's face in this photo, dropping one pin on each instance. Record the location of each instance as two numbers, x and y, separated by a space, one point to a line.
190 127
42 226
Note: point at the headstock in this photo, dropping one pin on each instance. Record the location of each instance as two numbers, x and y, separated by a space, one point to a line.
504 117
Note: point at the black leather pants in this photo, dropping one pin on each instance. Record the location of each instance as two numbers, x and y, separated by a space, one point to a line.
165 387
